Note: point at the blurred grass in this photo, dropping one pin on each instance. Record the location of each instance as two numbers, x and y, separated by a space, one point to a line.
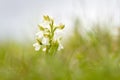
91 56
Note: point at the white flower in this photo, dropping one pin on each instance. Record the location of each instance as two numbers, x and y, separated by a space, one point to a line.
45 41
39 34
57 34
60 47
44 49
37 46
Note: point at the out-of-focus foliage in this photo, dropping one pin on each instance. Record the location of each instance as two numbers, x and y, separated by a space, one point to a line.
90 56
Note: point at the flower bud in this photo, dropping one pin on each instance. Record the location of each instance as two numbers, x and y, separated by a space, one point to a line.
41 27
61 26
46 34
46 18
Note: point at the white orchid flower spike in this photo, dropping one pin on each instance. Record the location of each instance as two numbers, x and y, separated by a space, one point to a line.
46 37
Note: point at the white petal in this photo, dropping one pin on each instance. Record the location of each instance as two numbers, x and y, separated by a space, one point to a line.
37 46
39 34
60 47
57 34
45 41
44 49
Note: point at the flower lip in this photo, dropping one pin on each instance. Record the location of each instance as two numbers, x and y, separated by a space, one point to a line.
39 34
60 47
37 46
44 49
45 41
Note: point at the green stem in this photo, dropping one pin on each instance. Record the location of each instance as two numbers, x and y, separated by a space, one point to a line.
51 37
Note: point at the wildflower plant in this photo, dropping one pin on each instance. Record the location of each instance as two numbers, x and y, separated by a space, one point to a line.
45 37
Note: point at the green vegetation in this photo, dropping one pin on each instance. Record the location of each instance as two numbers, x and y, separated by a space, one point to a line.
91 56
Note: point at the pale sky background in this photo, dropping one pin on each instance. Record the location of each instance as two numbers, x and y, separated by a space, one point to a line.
19 18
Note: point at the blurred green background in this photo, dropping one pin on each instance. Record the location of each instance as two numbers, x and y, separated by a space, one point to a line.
93 55
91 40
